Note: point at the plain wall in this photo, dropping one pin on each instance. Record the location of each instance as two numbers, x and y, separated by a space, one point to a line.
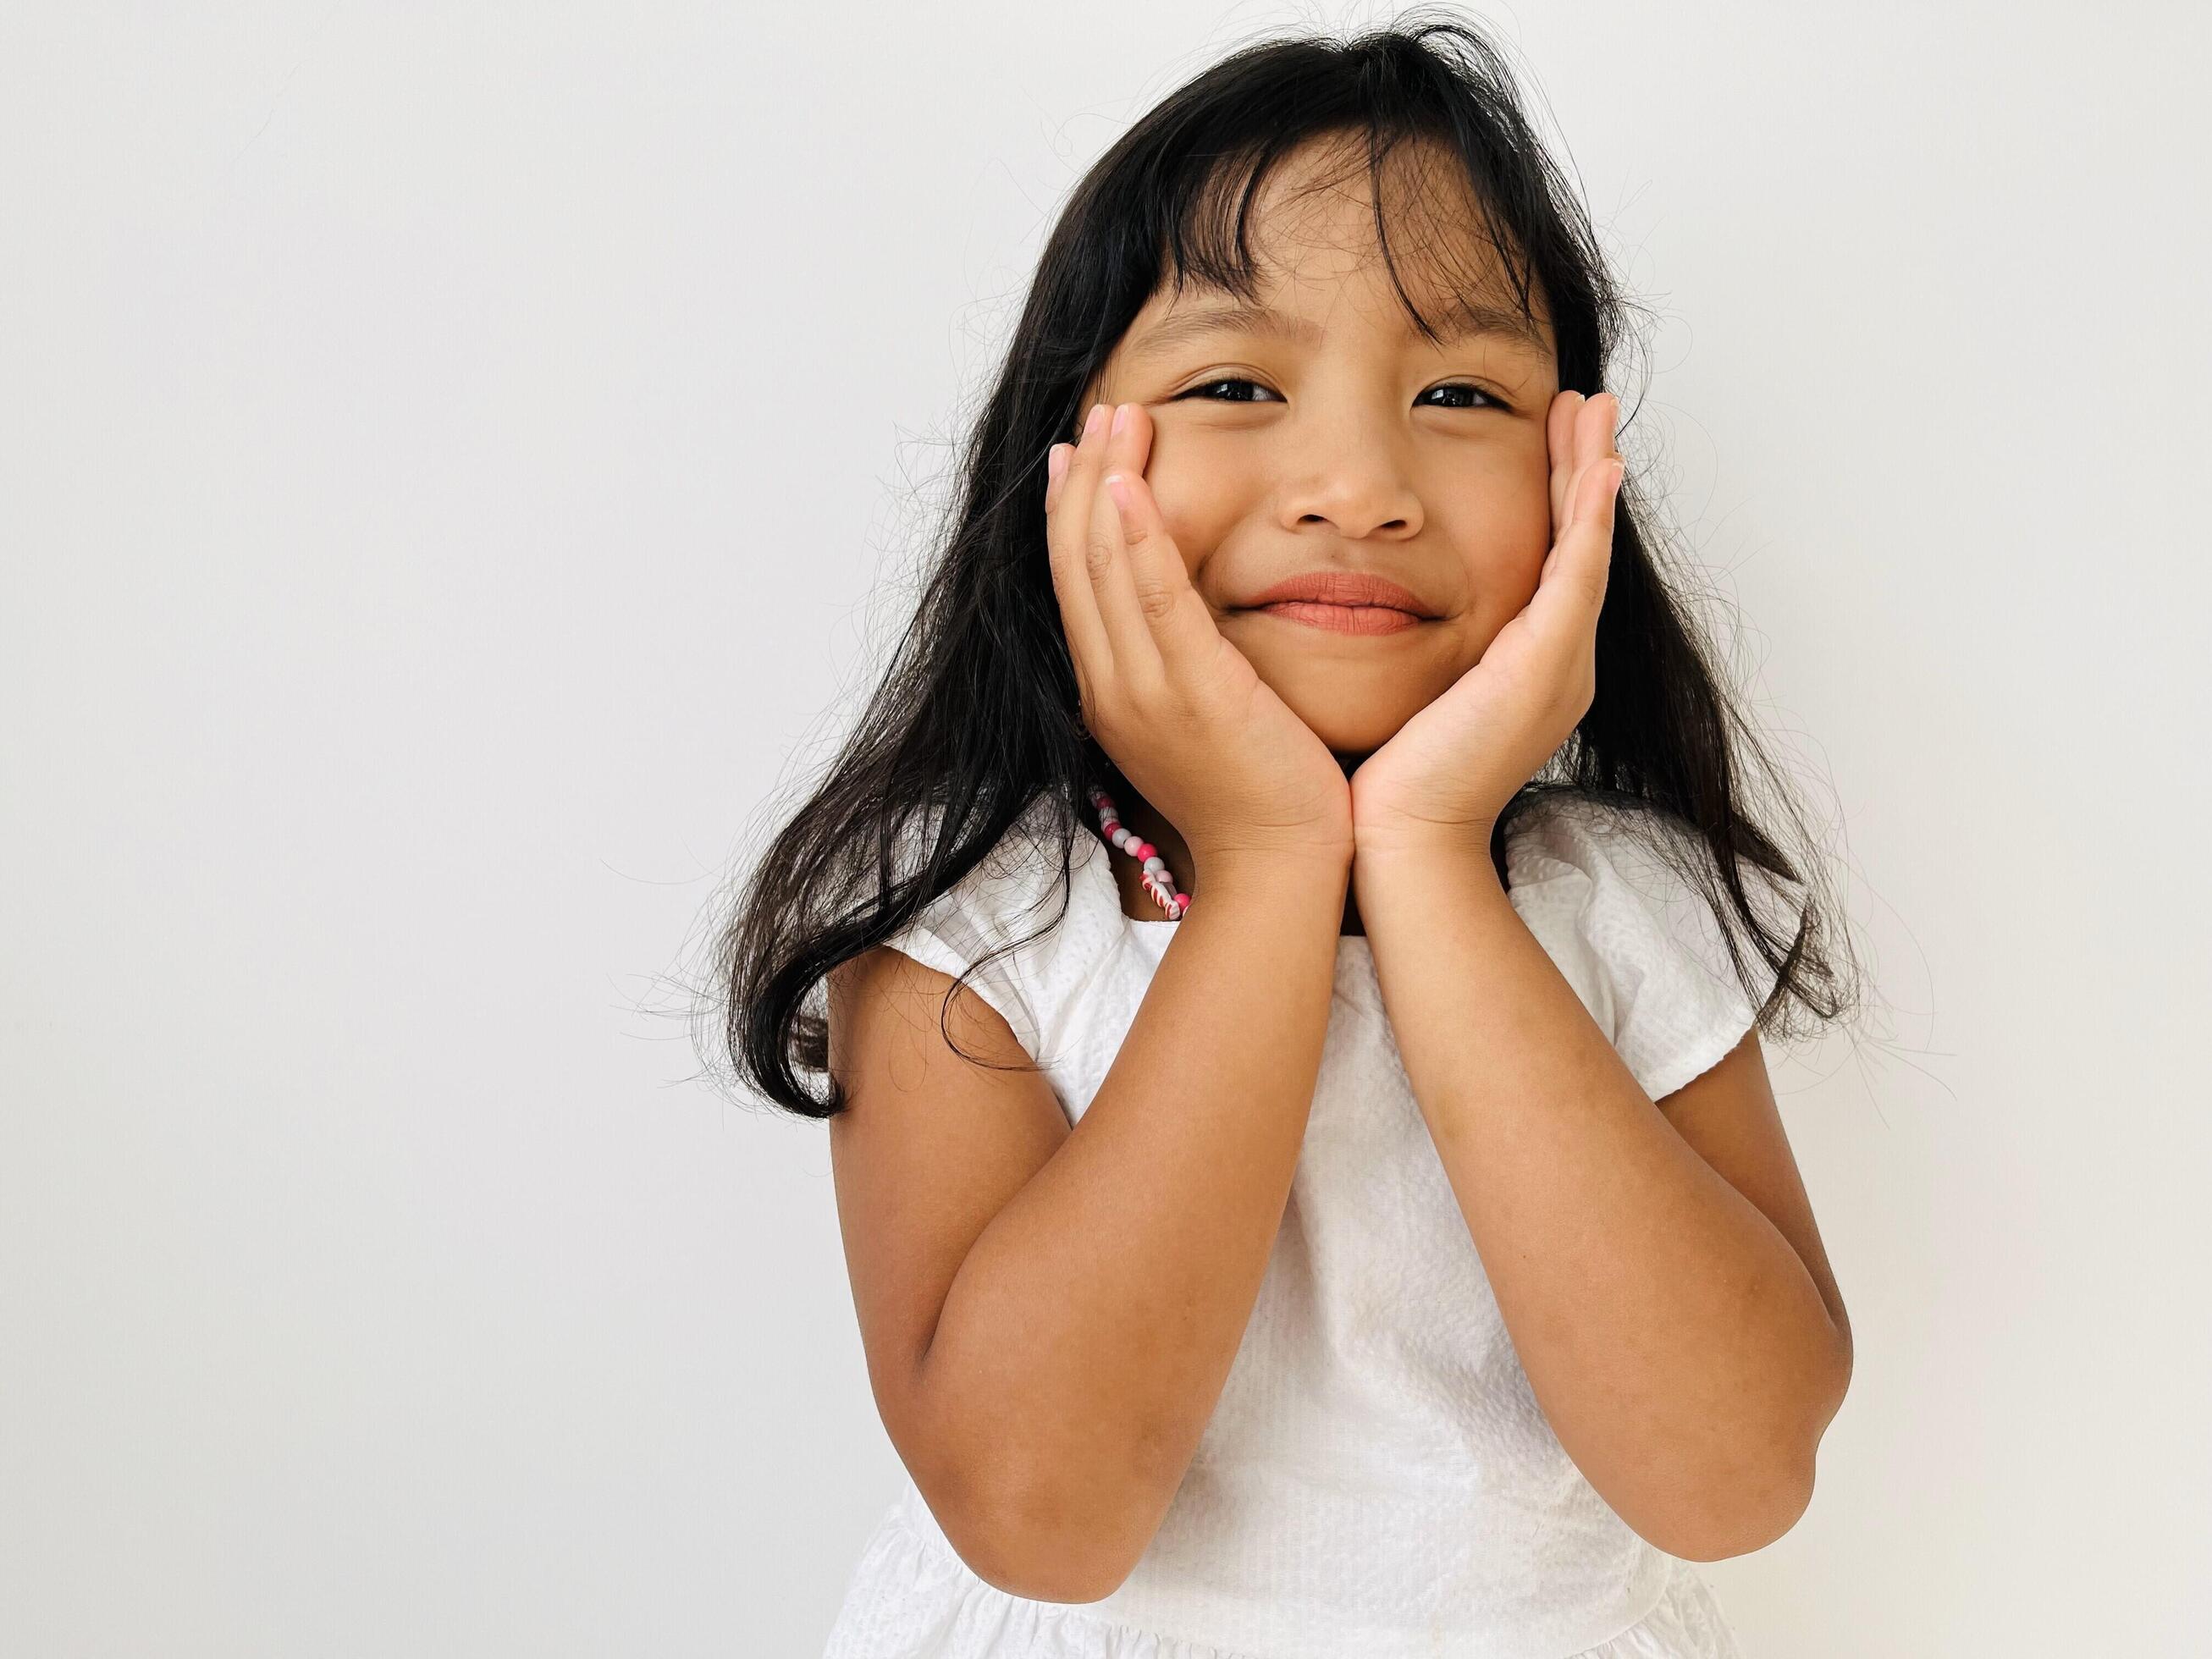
458 464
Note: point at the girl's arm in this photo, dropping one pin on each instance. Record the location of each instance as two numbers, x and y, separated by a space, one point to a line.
1050 1313
1687 1355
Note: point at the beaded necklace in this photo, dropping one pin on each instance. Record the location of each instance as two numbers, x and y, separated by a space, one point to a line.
1158 881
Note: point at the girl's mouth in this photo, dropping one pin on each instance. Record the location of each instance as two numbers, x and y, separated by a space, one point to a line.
1343 618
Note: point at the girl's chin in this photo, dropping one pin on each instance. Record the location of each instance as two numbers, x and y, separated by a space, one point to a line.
1349 736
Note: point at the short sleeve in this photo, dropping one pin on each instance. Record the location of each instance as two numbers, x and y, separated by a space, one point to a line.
1640 945
1010 895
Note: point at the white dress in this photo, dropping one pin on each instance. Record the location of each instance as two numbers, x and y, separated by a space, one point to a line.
1378 1481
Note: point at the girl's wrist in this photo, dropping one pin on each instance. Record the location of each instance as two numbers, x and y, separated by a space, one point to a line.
1398 858
1267 869
1379 845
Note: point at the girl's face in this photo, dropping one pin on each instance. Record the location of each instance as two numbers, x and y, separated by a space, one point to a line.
1334 438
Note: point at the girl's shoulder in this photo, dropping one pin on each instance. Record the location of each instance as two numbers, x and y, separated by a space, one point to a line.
1607 890
1026 926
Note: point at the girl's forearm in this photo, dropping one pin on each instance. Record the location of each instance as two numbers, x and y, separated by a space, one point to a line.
1086 1337
1678 1346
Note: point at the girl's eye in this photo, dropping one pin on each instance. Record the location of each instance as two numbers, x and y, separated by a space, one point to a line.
1488 401
1209 387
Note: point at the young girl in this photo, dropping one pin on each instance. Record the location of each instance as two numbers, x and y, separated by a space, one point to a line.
1349 1219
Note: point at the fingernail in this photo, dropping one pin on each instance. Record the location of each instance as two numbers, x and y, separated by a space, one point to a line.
1093 421
1121 416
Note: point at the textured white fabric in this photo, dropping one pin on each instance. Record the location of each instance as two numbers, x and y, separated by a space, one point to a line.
1377 1481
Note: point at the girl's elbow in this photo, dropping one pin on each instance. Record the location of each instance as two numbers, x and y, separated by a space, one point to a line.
1745 1523
1738 1520
1012 1566
1043 1549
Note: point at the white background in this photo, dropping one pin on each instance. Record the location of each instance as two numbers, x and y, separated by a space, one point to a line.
456 464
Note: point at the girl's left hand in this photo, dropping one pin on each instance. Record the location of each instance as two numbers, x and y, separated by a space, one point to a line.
1449 772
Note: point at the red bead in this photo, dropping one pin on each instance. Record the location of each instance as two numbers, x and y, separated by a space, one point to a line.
1111 826
1182 902
1143 850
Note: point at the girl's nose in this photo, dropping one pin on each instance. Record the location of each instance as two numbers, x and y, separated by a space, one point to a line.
1360 490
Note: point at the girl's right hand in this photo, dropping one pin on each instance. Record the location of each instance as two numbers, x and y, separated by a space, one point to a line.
1174 704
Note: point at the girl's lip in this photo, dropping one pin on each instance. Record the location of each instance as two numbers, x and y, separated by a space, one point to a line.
1342 588
1343 618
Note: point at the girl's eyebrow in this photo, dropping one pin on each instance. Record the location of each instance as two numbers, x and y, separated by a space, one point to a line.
1463 319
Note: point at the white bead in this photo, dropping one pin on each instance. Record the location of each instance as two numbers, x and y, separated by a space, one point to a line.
1157 881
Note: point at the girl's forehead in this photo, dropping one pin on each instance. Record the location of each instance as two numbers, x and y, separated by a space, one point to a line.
1309 303
1324 202
1314 249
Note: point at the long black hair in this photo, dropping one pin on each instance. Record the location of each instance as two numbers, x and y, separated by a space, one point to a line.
977 719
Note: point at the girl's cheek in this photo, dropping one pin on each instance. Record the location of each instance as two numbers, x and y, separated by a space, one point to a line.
1191 541
1199 494
1196 533
1509 522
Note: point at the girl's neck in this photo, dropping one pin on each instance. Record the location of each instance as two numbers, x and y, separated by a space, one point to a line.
1137 812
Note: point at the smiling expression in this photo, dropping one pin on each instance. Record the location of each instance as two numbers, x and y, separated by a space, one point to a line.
1321 432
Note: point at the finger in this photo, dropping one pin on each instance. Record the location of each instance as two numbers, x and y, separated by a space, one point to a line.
1564 428
1595 420
1056 467
1558 445
1106 558
1576 575
1182 626
1065 536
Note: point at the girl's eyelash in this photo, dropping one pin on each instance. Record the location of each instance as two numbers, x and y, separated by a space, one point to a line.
1490 399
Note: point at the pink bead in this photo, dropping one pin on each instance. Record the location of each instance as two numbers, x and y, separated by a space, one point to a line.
1158 884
